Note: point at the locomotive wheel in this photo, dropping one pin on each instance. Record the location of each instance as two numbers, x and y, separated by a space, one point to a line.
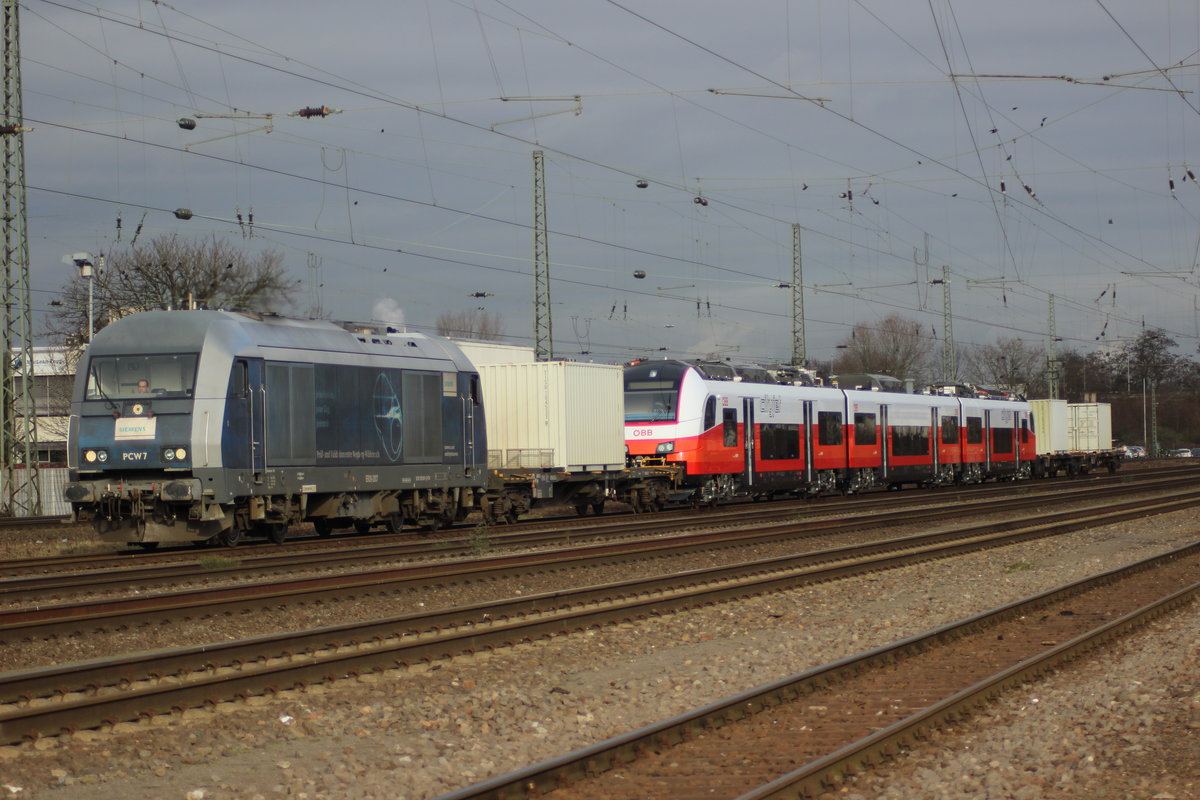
231 536
393 522
323 527
362 525
598 507
276 531
581 509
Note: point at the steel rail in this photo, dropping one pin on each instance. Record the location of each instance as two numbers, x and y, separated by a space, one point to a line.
87 617
825 774
167 680
43 589
532 530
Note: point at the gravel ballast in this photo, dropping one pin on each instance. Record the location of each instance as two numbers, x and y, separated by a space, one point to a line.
1125 724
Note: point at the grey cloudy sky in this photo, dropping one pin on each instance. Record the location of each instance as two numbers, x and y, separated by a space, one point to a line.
900 135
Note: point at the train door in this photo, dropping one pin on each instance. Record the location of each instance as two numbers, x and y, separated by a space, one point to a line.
885 442
471 409
935 440
748 438
244 445
807 438
987 440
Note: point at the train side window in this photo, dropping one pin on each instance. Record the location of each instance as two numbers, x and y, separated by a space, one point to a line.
1002 440
974 430
474 390
729 421
829 427
1024 431
710 412
949 430
241 378
864 429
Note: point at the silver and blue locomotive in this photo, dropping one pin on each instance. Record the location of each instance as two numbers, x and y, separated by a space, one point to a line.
206 426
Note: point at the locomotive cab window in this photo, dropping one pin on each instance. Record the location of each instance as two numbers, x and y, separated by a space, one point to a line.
1024 431
974 430
111 377
652 391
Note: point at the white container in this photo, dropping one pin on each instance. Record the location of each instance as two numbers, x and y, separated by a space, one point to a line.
494 353
554 415
1051 425
1090 426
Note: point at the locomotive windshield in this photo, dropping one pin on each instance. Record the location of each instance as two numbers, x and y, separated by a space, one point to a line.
111 377
652 391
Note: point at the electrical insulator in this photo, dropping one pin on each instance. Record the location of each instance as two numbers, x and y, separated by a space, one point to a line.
183 213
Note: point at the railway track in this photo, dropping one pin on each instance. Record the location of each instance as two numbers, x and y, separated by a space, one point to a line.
34 583
456 541
46 701
801 736
140 607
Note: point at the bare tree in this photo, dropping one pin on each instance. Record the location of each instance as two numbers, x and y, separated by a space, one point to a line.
893 346
172 272
474 324
1009 364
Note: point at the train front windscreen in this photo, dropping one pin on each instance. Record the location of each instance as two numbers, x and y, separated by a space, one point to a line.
126 377
652 391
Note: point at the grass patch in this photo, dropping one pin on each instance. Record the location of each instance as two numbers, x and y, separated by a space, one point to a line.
480 540
218 562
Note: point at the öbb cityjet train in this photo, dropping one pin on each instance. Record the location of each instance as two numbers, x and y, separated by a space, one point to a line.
739 431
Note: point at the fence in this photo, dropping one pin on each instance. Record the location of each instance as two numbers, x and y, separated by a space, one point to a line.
51 481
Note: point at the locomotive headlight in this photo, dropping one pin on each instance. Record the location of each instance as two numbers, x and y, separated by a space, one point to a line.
89 456
174 453
664 447
97 456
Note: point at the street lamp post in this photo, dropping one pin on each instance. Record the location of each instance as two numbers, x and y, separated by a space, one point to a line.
83 262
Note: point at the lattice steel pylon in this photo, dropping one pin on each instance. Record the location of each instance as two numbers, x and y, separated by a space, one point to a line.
543 337
799 348
18 430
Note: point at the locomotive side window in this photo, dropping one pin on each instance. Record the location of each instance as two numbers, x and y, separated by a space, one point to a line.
162 375
290 413
974 430
710 413
1002 440
422 404
865 429
779 441
1024 431
729 421
829 427
949 430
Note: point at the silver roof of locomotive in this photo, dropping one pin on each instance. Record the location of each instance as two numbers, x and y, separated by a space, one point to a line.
270 336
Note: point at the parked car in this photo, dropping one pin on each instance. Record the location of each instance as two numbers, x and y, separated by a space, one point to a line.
1196 452
1182 452
1133 451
